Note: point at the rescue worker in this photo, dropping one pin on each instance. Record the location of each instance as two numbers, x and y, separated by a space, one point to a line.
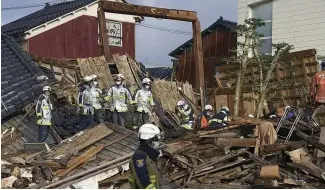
86 109
317 93
204 117
119 97
220 119
143 164
317 89
185 113
43 113
96 94
143 101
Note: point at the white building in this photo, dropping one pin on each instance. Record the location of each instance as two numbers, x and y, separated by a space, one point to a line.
300 23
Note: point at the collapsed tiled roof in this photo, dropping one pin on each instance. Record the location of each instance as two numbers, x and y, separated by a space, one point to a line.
19 85
219 23
29 130
160 72
48 13
114 151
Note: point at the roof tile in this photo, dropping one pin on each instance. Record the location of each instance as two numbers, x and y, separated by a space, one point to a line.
18 79
18 27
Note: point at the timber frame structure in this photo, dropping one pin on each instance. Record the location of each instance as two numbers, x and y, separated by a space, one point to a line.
163 13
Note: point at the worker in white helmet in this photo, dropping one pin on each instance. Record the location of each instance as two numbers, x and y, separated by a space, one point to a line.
118 97
143 101
44 114
204 117
143 164
220 119
96 94
86 105
185 114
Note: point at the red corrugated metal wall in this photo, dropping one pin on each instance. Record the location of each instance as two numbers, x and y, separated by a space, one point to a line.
78 38
215 46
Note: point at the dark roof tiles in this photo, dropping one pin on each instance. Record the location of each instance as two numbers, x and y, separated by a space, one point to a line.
160 72
18 27
19 85
220 22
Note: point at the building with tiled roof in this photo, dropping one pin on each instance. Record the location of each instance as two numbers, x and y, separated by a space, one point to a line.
69 29
217 40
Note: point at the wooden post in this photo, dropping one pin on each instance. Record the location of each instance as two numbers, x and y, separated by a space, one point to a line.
198 57
105 50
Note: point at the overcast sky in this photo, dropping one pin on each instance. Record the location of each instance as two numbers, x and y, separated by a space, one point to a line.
152 46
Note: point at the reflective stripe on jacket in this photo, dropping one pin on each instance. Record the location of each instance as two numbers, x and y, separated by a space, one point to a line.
185 114
144 172
44 111
87 102
96 92
118 97
144 100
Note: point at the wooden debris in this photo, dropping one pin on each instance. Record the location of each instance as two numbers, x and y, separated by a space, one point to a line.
201 133
176 147
303 162
36 147
283 146
79 160
230 134
311 140
83 158
89 137
47 163
124 67
270 172
238 142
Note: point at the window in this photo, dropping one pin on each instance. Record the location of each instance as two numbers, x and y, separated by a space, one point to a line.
264 11
114 32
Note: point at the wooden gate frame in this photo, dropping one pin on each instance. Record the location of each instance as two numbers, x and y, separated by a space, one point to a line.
156 12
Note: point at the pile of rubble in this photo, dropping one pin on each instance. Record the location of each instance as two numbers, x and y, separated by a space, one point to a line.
249 153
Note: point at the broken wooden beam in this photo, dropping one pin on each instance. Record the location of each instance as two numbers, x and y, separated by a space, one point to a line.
89 137
156 12
218 159
83 158
261 161
36 147
238 142
47 163
225 166
77 161
311 140
176 147
201 133
283 146
230 134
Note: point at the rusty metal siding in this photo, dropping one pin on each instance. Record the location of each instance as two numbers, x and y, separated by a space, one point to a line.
215 46
78 38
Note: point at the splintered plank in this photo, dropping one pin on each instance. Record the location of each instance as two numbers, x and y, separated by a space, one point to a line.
123 67
176 147
77 161
89 137
236 142
104 71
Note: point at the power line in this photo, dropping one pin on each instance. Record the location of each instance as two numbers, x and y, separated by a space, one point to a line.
160 27
165 29
27 6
